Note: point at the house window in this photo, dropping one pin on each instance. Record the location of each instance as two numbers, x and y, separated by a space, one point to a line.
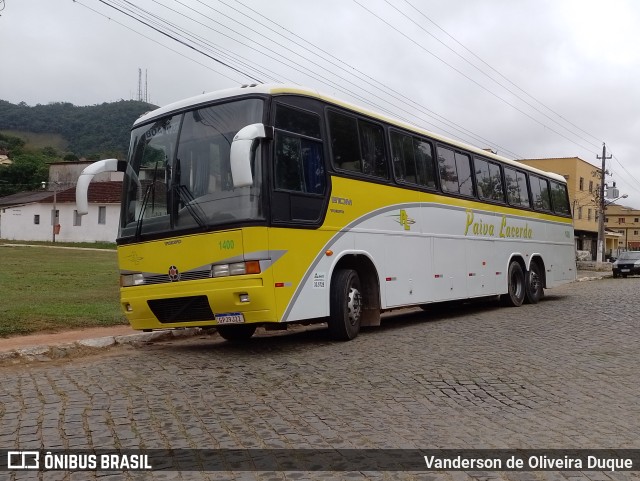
606 219
581 183
588 214
620 220
635 232
77 218
102 214
636 219
591 186
579 212
36 219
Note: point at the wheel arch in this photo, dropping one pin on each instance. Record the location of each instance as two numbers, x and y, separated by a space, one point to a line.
362 263
515 257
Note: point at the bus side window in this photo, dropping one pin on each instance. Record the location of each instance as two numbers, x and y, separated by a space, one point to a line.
403 156
540 193
344 142
425 166
559 198
372 148
488 180
412 160
448 171
299 163
455 171
517 192
357 145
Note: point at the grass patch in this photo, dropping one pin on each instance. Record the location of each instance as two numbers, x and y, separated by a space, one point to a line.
91 245
40 140
49 290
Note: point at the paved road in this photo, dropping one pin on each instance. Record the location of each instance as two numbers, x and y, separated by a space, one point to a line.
562 374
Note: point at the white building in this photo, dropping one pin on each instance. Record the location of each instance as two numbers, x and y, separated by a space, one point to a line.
28 216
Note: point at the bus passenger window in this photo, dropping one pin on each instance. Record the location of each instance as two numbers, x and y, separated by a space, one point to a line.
517 192
403 159
465 181
425 165
344 142
559 198
369 156
299 165
455 172
540 193
448 171
299 161
372 145
488 180
412 160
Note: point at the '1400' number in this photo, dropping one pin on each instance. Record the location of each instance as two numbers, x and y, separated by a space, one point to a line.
226 244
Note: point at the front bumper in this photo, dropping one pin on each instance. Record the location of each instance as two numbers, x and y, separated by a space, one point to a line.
198 303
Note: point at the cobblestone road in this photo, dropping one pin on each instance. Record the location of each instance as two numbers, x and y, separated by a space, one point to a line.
562 374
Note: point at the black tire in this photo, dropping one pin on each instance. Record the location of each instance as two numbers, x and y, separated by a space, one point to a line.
346 305
515 281
533 284
615 275
241 332
624 276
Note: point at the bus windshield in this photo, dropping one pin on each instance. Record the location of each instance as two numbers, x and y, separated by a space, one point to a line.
178 175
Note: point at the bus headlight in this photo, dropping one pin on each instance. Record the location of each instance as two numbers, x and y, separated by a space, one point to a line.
128 280
220 270
235 269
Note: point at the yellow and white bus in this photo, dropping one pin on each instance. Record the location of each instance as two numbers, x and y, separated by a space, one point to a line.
266 205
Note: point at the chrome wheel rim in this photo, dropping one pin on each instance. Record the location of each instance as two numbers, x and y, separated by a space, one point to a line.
354 306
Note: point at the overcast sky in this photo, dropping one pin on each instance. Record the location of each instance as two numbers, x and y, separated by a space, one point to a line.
528 78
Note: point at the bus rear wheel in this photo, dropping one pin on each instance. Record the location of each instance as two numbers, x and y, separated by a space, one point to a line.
237 333
515 279
533 284
345 311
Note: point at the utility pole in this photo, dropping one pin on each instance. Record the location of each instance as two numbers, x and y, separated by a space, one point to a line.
601 254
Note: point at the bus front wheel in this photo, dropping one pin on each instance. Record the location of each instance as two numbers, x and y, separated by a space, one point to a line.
240 332
345 305
515 279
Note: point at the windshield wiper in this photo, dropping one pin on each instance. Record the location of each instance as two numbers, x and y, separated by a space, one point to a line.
151 189
192 207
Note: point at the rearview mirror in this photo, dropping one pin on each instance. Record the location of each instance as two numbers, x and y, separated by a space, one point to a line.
242 149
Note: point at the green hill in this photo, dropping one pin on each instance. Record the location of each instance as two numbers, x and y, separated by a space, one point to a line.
92 131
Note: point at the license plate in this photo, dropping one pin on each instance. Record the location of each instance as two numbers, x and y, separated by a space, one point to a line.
230 318
625 270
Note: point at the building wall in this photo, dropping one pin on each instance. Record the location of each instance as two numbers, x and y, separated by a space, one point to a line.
67 173
583 183
17 223
625 221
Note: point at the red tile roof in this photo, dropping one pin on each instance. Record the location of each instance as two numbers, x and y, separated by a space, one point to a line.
99 193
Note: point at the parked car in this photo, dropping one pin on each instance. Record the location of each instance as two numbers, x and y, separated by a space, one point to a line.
627 264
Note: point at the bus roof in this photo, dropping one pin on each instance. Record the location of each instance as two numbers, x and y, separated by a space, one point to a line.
283 89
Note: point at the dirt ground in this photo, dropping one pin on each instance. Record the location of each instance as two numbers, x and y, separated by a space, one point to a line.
40 339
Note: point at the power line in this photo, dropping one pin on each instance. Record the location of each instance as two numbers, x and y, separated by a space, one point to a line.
497 72
468 77
180 41
158 24
155 41
364 77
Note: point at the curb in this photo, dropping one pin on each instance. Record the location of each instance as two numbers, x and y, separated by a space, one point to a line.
87 346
